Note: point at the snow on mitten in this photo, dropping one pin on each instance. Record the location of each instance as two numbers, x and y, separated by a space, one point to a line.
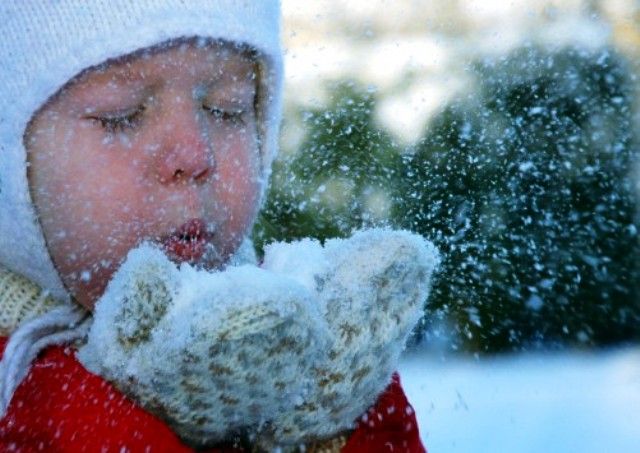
371 289
211 353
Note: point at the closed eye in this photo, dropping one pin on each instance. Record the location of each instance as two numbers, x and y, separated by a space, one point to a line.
119 121
235 116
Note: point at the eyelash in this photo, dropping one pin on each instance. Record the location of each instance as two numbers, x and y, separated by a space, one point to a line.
234 116
114 124
118 124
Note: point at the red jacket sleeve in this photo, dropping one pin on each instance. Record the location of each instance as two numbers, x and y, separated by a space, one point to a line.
62 407
389 426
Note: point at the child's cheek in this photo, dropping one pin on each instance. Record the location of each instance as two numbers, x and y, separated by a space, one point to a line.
239 171
88 201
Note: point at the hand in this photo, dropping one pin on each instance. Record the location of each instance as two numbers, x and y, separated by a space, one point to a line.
290 353
212 353
371 289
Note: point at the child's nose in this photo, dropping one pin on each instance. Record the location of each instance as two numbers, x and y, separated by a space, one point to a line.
187 154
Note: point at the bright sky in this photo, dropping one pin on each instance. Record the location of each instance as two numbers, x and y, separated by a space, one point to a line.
416 52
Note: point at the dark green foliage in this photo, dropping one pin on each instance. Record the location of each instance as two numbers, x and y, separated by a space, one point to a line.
344 161
525 188
524 185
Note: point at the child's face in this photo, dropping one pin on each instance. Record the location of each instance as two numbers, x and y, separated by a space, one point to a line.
162 146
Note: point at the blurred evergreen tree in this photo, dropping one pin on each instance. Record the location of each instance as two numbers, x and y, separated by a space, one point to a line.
343 178
525 187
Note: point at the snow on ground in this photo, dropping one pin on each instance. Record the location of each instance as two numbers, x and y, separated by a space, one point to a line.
560 402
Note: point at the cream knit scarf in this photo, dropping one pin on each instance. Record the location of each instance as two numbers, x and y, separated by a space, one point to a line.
20 299
34 321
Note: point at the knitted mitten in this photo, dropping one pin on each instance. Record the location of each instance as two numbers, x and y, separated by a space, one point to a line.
287 354
212 353
371 289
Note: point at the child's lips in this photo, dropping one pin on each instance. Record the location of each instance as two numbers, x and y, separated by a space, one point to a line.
188 242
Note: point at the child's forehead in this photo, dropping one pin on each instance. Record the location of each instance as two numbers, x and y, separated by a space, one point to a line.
214 62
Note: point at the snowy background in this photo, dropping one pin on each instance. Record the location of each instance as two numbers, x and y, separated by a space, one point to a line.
414 58
563 402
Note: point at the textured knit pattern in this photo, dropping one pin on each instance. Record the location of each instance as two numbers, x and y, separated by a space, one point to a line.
274 358
47 43
20 300
61 407
372 292
333 445
211 363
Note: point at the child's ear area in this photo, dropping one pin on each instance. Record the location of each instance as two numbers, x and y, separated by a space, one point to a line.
35 127
39 127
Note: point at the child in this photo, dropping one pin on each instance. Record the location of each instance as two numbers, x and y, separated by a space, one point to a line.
157 120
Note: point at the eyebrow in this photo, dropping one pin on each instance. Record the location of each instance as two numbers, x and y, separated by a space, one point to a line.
123 75
128 76
213 79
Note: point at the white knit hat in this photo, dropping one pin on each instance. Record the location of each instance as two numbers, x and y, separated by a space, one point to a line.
43 44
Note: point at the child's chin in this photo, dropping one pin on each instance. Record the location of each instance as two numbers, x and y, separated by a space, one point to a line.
212 259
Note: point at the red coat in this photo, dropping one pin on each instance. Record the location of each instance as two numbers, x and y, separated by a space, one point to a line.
62 407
